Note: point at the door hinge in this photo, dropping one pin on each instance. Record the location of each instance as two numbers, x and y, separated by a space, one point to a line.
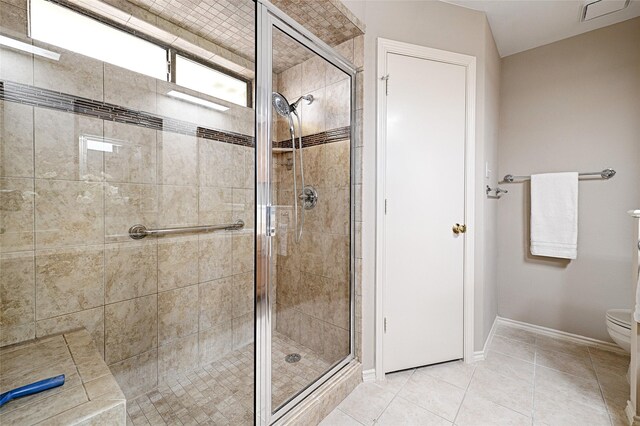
385 206
385 78
385 324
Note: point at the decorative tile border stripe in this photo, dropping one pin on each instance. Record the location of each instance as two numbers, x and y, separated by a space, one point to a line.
334 135
224 136
44 98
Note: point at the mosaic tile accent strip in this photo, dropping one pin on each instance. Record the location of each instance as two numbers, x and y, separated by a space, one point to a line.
224 136
44 98
334 135
222 392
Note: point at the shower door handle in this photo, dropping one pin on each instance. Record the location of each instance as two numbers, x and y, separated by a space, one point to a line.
271 221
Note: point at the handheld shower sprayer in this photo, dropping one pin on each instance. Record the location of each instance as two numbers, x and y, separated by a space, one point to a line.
285 109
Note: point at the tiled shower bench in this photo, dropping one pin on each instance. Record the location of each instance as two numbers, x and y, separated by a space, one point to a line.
90 395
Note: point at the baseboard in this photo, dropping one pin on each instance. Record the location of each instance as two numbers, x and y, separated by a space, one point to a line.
632 419
369 375
562 335
481 355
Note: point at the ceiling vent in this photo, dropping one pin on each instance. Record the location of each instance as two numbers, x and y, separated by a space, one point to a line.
595 9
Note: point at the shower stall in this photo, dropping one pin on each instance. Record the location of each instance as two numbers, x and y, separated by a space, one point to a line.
179 180
310 261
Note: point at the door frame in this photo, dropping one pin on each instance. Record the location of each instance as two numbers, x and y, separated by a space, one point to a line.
386 46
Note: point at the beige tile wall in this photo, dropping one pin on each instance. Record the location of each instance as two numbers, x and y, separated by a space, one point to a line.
156 306
65 258
313 275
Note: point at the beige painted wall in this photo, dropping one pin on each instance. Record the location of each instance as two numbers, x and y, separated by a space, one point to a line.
441 26
573 105
489 273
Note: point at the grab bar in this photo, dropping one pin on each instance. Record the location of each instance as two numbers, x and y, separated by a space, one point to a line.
138 232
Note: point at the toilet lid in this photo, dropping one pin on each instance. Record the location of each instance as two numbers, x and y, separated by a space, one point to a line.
618 324
622 317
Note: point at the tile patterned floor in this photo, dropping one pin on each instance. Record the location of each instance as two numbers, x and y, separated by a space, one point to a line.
527 379
222 393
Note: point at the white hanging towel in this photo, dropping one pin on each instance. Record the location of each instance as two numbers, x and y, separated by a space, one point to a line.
554 215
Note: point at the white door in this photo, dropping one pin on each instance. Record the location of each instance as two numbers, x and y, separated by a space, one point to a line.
425 193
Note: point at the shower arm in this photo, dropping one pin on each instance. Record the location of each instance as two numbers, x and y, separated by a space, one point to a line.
294 106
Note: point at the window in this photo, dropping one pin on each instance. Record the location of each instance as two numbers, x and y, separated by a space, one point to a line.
203 79
73 31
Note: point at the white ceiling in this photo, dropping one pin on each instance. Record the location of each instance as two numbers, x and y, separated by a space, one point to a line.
519 25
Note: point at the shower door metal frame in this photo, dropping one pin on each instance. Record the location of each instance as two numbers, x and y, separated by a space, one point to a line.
267 17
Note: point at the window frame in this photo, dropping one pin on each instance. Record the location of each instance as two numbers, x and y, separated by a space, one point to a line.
174 69
172 52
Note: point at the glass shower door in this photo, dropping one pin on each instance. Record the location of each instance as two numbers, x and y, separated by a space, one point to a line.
127 199
304 286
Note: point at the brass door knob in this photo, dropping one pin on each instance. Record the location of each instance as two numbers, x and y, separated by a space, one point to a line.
459 229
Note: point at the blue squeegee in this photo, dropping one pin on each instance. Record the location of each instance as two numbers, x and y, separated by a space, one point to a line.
30 389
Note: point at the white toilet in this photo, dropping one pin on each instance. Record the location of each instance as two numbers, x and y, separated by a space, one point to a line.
619 327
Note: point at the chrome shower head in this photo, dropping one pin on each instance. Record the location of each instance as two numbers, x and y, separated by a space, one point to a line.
281 104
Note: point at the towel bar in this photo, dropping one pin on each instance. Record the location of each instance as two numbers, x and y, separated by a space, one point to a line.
604 174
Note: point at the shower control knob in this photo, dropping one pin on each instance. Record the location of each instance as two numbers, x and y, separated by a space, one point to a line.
309 197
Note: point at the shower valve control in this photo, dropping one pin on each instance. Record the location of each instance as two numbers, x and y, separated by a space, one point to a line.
309 197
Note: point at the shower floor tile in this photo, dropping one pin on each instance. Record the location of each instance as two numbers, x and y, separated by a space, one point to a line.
221 393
